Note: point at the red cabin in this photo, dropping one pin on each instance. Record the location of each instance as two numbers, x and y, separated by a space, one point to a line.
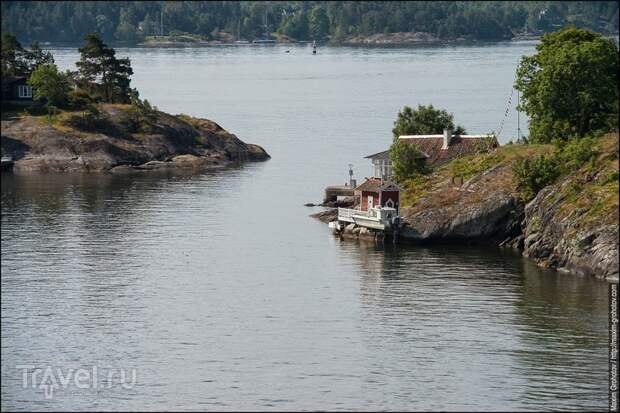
376 192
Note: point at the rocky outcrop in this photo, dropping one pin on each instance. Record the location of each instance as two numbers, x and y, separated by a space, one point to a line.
168 141
560 233
485 209
572 225
326 216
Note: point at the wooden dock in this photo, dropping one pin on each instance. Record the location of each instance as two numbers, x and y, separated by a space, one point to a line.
333 192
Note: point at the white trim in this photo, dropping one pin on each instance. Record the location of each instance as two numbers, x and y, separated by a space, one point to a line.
419 136
24 91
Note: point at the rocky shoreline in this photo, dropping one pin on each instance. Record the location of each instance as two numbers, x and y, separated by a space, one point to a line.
37 145
558 228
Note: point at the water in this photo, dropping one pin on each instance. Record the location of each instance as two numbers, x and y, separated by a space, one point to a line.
222 294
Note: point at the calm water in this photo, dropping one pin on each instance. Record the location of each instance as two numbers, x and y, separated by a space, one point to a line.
222 294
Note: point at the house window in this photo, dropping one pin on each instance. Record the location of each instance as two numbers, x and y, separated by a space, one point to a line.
387 169
24 91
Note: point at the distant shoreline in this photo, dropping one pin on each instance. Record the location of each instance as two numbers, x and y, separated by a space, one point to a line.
207 44
401 39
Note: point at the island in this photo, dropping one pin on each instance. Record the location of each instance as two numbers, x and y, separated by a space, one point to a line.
66 144
552 195
92 120
570 225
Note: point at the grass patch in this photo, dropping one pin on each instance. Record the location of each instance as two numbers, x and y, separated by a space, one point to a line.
415 189
189 119
464 168
471 165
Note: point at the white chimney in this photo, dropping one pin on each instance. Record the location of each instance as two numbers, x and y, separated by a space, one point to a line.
447 137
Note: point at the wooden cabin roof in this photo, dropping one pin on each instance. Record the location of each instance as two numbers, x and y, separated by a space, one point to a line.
377 185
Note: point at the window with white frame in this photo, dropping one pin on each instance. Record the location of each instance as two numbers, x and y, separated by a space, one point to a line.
24 91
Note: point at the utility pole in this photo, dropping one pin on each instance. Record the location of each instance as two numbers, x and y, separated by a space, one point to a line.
518 118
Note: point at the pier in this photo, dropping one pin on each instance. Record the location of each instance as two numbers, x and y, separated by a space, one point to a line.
333 192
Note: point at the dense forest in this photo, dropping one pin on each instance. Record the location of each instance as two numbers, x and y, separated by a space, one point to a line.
133 21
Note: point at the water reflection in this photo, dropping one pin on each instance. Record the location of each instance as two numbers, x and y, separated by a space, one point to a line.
535 332
222 292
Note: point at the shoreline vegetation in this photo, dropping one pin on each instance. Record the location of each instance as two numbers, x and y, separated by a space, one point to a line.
320 21
391 39
92 120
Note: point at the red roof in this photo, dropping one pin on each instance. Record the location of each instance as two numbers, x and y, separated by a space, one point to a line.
459 146
376 185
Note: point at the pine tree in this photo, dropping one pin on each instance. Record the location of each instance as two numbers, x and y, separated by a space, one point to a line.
101 73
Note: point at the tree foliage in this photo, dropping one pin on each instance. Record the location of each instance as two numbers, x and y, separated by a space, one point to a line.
318 23
425 120
407 160
101 73
569 88
61 21
50 85
17 61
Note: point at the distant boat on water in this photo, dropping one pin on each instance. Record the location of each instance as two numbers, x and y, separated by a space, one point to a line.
263 41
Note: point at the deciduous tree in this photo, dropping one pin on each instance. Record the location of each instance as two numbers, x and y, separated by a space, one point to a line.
407 160
569 88
50 85
425 120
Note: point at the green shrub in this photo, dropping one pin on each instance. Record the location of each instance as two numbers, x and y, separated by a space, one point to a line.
79 99
575 153
532 175
140 116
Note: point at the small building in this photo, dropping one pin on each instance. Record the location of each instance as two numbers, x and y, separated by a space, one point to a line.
15 89
436 149
377 207
376 192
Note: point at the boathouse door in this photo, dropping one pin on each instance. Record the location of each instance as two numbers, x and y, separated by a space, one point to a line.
370 202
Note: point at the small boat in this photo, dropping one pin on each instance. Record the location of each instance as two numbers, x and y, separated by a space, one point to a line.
263 41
